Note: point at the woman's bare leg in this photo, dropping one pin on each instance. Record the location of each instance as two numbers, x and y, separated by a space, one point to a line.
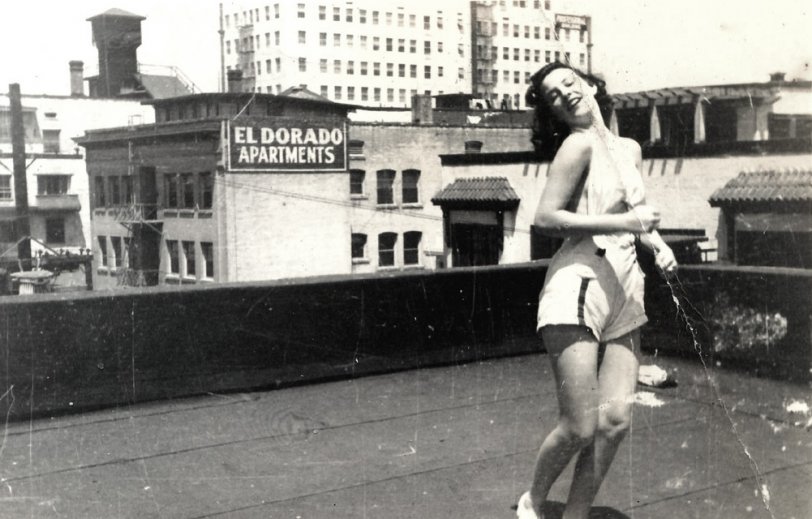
616 380
574 356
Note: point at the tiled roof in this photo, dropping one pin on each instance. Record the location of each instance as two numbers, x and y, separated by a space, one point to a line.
789 185
489 191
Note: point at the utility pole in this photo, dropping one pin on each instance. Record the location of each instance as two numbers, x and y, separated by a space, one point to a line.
22 226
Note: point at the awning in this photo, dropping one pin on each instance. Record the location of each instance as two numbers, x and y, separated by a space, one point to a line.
777 187
478 193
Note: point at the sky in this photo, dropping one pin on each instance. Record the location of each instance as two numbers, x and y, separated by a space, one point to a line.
638 44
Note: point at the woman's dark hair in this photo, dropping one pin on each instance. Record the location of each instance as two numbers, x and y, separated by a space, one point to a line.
548 131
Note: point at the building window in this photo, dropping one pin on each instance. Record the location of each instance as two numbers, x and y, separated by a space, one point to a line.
350 67
115 190
322 39
363 42
350 93
390 69
50 141
187 187
376 94
103 250
364 93
337 66
440 72
413 46
323 91
350 40
117 252
386 181
537 56
426 47
52 184
390 95
427 23
208 258
323 68
55 230
401 45
5 187
547 58
411 179
189 258
401 70
302 64
546 33
127 190
411 247
301 11
376 43
376 69
439 22
349 14
337 92
386 249
171 190
357 182
537 33
359 246
400 19
389 44
527 54
336 40
374 17
505 53
174 257
413 71
206 183
99 191
362 16
322 12
427 71
582 59
439 47
267 66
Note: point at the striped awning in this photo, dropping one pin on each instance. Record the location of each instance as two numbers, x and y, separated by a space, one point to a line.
767 186
473 193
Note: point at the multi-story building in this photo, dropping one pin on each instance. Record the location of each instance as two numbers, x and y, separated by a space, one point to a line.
179 201
381 54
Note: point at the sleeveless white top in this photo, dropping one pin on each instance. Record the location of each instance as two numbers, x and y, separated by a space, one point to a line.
613 185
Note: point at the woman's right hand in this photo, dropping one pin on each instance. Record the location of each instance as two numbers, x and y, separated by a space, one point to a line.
644 218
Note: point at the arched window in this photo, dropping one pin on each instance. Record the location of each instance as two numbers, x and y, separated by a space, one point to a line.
411 180
411 247
386 249
386 181
359 246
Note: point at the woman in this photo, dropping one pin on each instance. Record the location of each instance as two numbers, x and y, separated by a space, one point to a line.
593 293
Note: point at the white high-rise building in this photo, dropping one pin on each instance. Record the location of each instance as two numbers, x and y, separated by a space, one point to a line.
381 53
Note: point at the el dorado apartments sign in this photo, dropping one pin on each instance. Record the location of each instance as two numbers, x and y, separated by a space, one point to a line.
287 145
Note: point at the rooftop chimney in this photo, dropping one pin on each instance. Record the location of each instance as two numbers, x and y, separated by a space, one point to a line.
77 80
421 109
234 81
778 77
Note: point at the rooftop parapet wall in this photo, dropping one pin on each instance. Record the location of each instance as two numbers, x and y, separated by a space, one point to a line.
88 350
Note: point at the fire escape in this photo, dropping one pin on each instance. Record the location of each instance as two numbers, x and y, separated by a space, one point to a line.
482 50
246 56
139 215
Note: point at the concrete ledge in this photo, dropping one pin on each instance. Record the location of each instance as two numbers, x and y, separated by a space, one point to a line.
65 352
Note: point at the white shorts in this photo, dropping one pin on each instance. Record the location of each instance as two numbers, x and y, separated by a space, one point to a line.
585 289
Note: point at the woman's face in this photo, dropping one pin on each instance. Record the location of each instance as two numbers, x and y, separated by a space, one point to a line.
570 97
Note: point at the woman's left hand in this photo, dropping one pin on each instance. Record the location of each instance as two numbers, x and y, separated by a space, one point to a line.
666 261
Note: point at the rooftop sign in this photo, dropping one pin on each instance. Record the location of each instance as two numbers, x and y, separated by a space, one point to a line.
570 21
278 144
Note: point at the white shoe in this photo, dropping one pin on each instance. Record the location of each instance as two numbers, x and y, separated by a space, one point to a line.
524 509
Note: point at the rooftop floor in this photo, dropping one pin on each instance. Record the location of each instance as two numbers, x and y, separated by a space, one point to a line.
447 442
